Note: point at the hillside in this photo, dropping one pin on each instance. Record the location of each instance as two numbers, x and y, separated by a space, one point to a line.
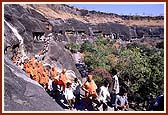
54 33
65 12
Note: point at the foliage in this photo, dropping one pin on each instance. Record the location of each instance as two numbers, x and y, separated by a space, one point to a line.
96 55
101 72
146 69
99 75
144 65
98 80
73 47
87 47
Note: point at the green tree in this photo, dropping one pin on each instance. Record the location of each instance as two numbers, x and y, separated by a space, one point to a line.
146 69
73 47
144 65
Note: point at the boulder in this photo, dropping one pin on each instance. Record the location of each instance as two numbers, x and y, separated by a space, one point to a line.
60 57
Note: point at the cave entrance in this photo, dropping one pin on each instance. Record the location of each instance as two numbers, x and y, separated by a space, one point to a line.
60 32
114 36
81 32
106 35
98 33
70 32
37 35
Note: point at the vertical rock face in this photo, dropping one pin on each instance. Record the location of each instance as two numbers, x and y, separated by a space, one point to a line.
23 94
20 92
60 57
31 19
25 21
28 21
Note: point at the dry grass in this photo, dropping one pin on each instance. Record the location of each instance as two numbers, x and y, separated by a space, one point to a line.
94 19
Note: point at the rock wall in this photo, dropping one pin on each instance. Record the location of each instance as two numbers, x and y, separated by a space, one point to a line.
28 21
24 94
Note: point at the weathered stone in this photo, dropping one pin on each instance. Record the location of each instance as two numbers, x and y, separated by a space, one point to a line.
62 57
23 94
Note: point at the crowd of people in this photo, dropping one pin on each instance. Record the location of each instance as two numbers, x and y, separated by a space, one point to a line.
51 80
71 87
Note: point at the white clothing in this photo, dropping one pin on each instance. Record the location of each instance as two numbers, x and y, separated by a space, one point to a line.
104 93
50 85
116 84
123 100
69 93
77 57
76 87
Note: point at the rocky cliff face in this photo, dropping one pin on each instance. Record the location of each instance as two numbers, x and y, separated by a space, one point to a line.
65 12
75 21
21 24
62 24
23 94
27 22
63 19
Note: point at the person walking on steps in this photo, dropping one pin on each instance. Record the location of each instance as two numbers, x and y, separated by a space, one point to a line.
104 95
69 96
90 91
114 89
76 85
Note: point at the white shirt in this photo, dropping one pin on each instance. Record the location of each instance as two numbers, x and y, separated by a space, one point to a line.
69 93
116 84
77 57
123 100
76 87
104 93
50 85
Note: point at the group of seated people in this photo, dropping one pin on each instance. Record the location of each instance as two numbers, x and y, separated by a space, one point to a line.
70 87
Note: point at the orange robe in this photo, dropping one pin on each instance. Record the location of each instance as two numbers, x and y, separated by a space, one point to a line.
64 78
25 65
54 75
91 87
44 78
34 74
40 70
14 59
38 77
39 64
31 71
